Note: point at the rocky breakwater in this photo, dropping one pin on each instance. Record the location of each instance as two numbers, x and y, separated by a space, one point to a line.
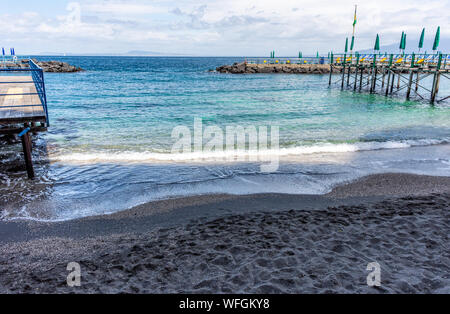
245 68
47 66
57 67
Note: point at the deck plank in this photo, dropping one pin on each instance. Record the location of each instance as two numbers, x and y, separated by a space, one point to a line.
22 85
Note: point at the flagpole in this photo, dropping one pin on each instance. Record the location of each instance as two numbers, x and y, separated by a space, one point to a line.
354 29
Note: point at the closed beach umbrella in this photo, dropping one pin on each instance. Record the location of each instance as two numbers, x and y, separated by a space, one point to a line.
437 38
404 42
422 38
352 45
3 51
317 54
346 45
377 43
401 41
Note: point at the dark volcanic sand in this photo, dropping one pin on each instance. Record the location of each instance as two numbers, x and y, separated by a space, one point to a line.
302 250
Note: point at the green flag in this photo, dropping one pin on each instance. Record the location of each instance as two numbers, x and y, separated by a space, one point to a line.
377 43
422 38
437 38
346 45
352 44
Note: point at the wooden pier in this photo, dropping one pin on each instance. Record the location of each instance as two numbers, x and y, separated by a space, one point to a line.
23 106
389 75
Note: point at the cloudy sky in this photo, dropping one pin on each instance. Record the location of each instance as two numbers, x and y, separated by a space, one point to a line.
212 27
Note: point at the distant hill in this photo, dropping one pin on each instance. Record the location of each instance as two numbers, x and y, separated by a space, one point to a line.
134 53
151 53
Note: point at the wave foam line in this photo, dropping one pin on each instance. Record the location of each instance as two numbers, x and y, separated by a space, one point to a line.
233 154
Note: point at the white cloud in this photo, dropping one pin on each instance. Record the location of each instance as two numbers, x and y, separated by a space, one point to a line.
122 8
221 27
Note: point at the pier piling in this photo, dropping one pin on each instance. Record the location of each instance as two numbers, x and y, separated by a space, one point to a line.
27 151
408 92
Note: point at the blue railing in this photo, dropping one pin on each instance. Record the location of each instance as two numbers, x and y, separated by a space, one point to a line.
356 58
413 60
287 60
37 75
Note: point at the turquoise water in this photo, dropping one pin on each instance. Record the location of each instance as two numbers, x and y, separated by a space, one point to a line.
110 141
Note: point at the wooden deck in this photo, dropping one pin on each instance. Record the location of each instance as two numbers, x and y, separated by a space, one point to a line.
19 91
23 106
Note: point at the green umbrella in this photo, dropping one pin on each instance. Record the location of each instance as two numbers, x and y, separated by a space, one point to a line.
437 38
317 54
377 43
401 41
346 45
422 38
352 44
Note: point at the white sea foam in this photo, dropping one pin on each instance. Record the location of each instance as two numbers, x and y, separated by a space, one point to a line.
103 188
233 155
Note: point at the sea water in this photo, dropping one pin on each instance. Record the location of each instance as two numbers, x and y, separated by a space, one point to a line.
109 145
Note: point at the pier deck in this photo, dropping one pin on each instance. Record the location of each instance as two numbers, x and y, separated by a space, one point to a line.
23 106
19 100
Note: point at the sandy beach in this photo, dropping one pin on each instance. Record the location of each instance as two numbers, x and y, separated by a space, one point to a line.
269 243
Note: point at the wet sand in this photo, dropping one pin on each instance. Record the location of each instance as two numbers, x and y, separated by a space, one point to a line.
269 243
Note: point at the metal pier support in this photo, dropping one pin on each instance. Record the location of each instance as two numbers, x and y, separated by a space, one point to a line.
27 150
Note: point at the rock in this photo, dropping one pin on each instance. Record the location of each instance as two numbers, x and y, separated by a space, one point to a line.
57 67
47 66
244 68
